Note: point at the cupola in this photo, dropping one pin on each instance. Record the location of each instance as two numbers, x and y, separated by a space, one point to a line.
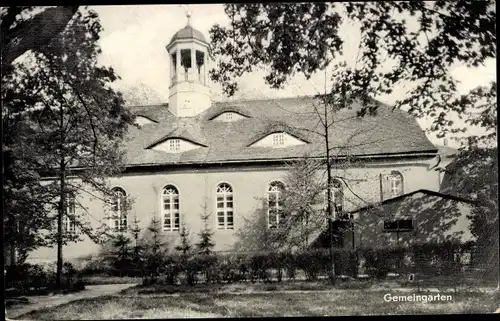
189 53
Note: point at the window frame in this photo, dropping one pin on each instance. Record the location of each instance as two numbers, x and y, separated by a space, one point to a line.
69 224
226 210
119 222
174 145
340 190
397 228
394 177
174 213
279 139
275 187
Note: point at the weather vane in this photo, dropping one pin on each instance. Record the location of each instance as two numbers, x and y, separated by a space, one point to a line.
187 9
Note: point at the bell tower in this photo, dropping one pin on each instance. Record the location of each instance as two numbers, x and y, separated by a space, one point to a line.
188 51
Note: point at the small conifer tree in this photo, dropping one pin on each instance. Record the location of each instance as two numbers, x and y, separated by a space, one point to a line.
137 253
185 246
154 257
206 244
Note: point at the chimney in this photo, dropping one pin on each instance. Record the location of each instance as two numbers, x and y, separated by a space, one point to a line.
445 142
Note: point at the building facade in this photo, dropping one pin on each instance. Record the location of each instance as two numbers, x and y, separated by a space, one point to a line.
193 156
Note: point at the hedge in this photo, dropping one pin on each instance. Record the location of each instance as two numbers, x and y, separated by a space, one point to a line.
33 279
434 259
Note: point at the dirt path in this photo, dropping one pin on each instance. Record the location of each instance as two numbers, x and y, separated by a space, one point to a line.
40 302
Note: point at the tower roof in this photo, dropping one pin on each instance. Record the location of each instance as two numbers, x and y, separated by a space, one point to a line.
188 32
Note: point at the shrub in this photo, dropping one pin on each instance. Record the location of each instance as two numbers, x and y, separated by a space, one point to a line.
170 269
69 272
377 262
313 262
345 262
209 266
29 279
290 265
96 266
259 264
26 276
228 269
192 266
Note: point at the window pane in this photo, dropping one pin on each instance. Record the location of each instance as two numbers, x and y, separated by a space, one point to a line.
272 217
176 206
220 204
229 197
230 204
405 224
390 225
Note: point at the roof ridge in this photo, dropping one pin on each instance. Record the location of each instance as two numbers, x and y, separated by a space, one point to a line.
262 99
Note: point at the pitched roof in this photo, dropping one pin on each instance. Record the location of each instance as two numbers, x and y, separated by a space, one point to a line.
389 132
423 191
447 152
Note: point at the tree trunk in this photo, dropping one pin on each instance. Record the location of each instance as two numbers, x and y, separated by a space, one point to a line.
329 198
34 34
62 201
60 214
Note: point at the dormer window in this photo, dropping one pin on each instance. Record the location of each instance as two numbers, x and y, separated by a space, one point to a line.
229 116
174 145
278 139
142 120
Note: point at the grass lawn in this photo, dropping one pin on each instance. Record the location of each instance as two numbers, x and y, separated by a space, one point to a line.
332 303
105 279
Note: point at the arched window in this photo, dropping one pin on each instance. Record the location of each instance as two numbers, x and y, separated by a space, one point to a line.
69 218
337 198
396 183
224 207
170 206
118 220
275 197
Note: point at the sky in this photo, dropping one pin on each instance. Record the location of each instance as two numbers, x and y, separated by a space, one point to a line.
134 38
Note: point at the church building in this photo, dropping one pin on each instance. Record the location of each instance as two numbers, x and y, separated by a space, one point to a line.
192 156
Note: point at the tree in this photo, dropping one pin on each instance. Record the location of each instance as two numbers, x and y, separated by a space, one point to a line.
23 31
473 174
138 248
24 202
154 249
122 253
185 247
305 38
140 94
206 244
303 203
74 121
